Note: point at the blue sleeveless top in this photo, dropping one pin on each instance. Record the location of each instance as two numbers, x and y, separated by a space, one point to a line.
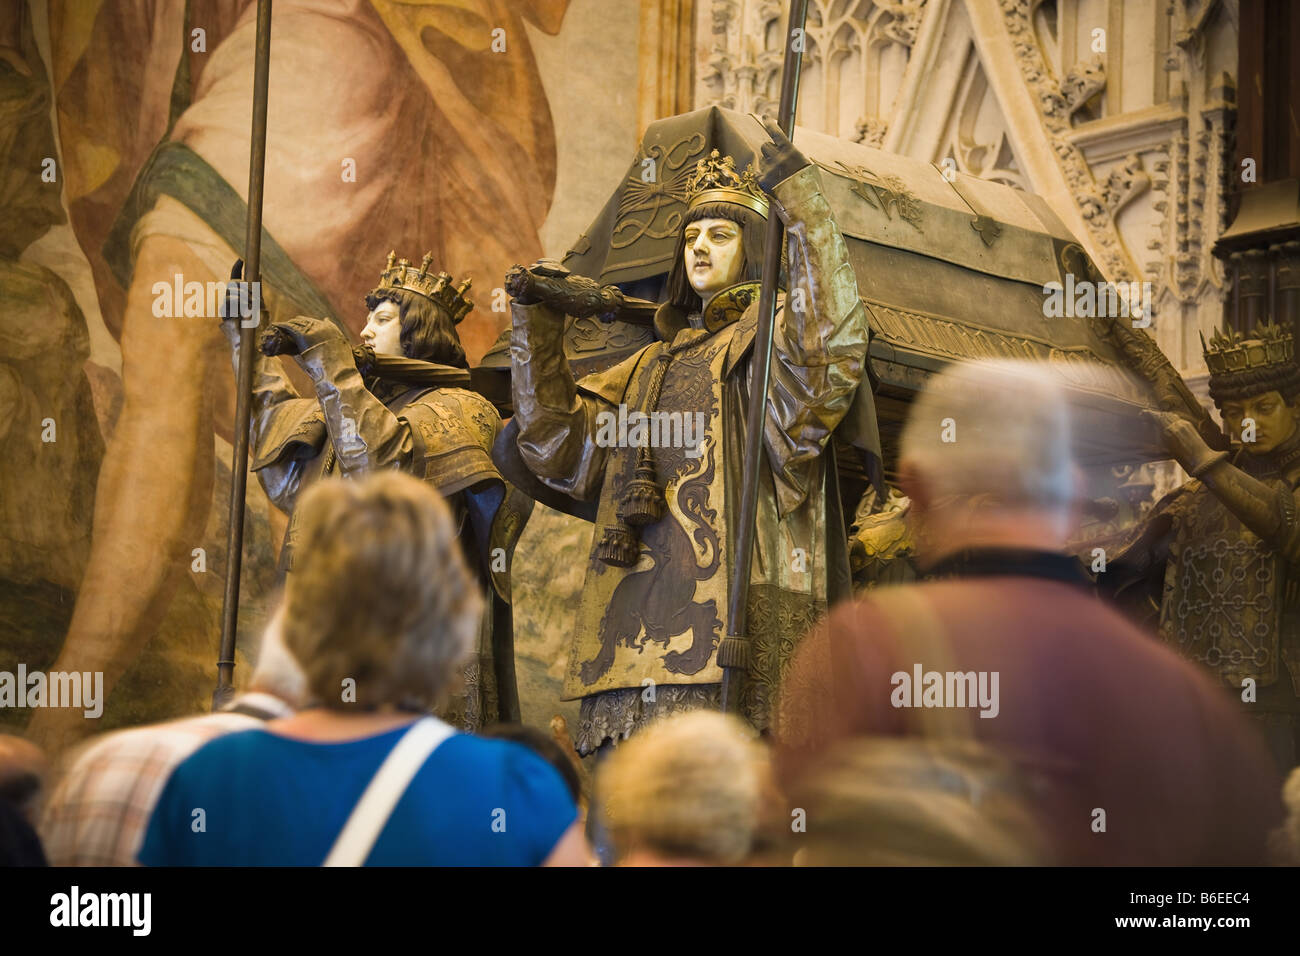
256 799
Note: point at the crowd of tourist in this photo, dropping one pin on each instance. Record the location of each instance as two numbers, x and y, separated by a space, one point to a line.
1077 738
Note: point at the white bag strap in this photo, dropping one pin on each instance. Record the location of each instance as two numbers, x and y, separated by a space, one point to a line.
376 805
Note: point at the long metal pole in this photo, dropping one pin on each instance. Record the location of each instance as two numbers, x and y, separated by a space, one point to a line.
247 339
734 653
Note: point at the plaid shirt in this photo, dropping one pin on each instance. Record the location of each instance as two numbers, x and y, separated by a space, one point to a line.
99 811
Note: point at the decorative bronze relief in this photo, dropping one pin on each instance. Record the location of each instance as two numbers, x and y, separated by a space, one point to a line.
642 201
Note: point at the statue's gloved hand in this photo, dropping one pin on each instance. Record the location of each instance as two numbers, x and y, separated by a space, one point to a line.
779 159
238 304
295 336
547 282
543 281
1184 442
519 285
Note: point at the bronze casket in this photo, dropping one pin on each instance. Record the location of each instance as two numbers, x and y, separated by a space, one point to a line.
949 267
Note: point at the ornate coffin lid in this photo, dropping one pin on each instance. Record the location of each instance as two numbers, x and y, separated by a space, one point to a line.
943 265
949 267
878 197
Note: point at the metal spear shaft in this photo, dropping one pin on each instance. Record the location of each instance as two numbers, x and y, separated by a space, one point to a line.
248 328
734 653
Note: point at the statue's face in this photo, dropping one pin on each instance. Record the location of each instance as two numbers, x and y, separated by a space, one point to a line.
714 255
1275 421
383 331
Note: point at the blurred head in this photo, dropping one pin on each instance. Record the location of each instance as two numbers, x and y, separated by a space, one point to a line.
915 801
23 771
379 595
404 323
1284 842
276 672
986 459
686 789
721 244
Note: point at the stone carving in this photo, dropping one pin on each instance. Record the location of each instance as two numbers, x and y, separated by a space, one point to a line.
740 78
903 21
1189 35
1180 151
1082 83
871 131
1055 111
740 70
721 14
1125 183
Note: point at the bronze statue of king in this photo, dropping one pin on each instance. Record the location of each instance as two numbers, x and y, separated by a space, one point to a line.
401 400
657 440
1214 565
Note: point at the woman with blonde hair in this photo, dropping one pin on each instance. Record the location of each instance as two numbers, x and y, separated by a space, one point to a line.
688 790
380 611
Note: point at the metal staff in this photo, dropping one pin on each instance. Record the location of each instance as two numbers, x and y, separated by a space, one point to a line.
247 335
733 654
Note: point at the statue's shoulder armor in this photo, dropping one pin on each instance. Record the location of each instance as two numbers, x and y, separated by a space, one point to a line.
453 430
612 383
291 429
455 415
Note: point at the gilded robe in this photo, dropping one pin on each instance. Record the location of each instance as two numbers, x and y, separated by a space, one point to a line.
646 636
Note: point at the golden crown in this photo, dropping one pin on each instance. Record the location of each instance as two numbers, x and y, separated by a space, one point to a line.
434 286
1265 346
715 180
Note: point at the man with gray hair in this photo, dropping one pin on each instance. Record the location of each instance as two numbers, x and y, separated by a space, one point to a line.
1004 659
98 813
986 459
